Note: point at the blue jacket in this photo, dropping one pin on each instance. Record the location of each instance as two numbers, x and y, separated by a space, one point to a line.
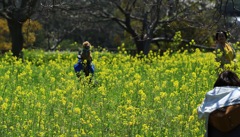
79 66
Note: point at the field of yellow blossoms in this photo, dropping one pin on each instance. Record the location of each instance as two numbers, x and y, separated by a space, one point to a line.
129 96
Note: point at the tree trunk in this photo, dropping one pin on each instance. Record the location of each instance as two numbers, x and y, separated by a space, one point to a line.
143 46
146 46
15 29
139 46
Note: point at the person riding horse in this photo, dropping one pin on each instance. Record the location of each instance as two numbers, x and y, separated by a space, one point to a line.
84 61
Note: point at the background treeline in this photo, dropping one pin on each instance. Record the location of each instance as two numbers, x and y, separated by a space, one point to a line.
142 25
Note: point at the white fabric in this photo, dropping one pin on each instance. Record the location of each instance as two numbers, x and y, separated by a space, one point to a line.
217 98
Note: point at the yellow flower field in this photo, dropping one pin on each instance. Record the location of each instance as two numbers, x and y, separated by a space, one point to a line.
129 96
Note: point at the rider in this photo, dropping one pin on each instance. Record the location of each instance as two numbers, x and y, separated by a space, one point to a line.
84 60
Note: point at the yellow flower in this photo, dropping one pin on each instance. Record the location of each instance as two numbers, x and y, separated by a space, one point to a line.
163 94
124 94
11 127
52 79
137 76
194 75
41 134
142 94
191 118
178 108
4 106
82 131
175 84
102 90
145 128
77 110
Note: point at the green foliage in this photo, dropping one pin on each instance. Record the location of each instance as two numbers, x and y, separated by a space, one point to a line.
69 45
203 33
129 43
236 45
154 47
41 40
177 40
175 45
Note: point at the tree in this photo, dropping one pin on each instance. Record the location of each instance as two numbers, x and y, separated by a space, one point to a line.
144 19
29 31
16 12
67 20
147 21
229 12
